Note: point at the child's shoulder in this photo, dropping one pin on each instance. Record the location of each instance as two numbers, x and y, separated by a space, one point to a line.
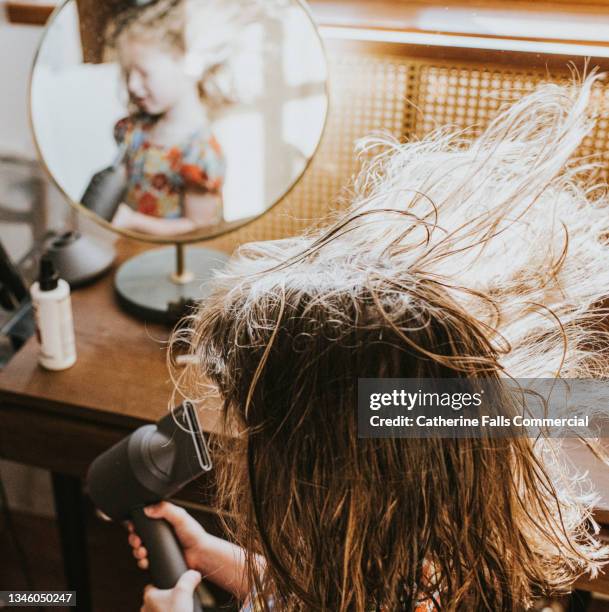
126 126
203 143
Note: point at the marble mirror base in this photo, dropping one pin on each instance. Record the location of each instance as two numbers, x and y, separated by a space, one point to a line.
149 286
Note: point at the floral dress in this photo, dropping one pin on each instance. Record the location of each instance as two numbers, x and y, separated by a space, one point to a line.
158 176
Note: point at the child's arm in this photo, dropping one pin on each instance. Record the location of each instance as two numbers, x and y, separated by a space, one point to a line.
217 559
203 207
200 209
129 219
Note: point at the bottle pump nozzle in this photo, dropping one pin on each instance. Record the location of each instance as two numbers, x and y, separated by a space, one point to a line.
48 277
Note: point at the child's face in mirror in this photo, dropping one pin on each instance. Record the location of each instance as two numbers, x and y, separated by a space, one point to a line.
154 75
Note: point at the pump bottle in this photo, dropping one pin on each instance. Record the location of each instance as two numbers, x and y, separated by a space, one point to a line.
53 314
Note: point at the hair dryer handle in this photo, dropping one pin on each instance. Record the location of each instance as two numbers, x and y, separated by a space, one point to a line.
165 557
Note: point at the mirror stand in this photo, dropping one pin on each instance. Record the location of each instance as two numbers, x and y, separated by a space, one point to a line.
160 288
248 142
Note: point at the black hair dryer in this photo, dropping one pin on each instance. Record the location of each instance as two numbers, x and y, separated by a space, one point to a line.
107 188
151 464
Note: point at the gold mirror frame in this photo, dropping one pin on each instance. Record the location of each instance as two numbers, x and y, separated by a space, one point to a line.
224 227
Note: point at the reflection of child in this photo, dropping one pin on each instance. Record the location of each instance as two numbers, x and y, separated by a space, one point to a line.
483 260
175 166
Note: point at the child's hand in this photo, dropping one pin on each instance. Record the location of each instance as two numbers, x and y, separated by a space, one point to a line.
178 599
191 535
123 217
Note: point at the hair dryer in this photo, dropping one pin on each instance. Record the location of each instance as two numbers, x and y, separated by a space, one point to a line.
151 464
106 189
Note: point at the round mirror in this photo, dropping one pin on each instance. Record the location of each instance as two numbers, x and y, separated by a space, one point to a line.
178 120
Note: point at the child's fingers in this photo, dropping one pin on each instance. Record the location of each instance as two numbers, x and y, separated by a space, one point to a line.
143 564
159 510
140 553
188 582
188 530
135 540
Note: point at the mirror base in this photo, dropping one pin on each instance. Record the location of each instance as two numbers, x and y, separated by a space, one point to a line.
146 286
78 258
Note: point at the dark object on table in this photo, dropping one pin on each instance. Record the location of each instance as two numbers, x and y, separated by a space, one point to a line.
13 290
14 298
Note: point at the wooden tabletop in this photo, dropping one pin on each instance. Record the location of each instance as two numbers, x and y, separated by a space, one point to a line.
120 376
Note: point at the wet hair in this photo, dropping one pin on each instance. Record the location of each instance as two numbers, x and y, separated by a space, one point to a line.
456 257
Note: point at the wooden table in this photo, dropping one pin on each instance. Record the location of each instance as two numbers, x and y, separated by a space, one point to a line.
61 421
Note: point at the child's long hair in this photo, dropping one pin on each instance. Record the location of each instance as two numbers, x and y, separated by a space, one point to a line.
456 258
207 32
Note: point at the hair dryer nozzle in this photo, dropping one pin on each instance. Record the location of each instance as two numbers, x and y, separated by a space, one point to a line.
151 464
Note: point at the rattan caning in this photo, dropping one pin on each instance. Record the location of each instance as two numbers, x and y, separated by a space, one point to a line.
406 97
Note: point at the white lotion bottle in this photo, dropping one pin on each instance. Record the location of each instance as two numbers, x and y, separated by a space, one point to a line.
53 314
